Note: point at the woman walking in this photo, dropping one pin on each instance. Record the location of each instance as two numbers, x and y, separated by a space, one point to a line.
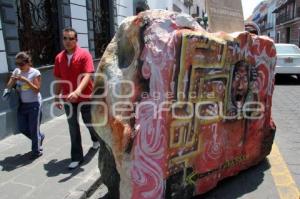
28 82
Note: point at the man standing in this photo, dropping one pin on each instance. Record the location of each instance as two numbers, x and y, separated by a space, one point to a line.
73 71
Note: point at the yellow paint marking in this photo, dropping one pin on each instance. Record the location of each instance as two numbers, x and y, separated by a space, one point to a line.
283 179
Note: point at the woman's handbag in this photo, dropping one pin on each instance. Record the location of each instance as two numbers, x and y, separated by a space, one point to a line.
6 94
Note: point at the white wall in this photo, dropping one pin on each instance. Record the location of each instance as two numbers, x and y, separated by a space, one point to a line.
124 9
160 4
3 60
179 4
79 21
272 18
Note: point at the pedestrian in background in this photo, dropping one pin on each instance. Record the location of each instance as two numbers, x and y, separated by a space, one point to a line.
74 65
28 83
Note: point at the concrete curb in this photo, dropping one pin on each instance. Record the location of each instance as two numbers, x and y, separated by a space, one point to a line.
87 187
100 192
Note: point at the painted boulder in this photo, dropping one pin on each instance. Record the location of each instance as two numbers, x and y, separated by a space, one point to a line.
178 109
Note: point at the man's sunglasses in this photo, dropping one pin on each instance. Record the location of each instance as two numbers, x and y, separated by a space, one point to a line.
21 63
69 38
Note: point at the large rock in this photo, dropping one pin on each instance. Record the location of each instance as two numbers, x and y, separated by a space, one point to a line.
179 109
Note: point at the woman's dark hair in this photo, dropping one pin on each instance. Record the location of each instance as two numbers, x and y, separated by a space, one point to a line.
24 57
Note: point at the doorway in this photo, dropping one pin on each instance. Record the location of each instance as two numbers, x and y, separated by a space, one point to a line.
288 33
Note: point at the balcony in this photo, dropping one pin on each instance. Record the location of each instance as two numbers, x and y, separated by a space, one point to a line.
284 18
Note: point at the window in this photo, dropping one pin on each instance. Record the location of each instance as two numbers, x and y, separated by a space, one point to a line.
290 11
278 37
102 35
38 29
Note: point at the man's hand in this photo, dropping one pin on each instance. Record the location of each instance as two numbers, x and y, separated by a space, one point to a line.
58 104
72 97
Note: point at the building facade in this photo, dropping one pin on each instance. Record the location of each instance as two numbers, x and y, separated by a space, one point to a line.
260 14
193 7
35 26
264 17
271 20
288 21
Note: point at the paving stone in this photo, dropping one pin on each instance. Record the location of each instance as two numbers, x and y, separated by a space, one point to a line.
34 176
57 142
286 112
54 190
13 190
9 173
4 146
47 176
20 147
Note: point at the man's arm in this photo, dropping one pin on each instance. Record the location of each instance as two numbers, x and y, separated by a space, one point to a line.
84 82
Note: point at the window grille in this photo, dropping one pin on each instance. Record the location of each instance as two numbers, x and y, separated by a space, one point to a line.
38 29
101 20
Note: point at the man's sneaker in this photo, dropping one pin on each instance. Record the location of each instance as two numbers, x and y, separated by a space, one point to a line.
74 165
96 145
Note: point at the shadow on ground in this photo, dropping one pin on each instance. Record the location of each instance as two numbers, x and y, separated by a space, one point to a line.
14 162
55 167
234 187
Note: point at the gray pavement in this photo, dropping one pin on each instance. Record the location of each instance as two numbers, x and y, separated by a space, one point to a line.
286 114
46 177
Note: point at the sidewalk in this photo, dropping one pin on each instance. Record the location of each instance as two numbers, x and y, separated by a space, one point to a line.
48 176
